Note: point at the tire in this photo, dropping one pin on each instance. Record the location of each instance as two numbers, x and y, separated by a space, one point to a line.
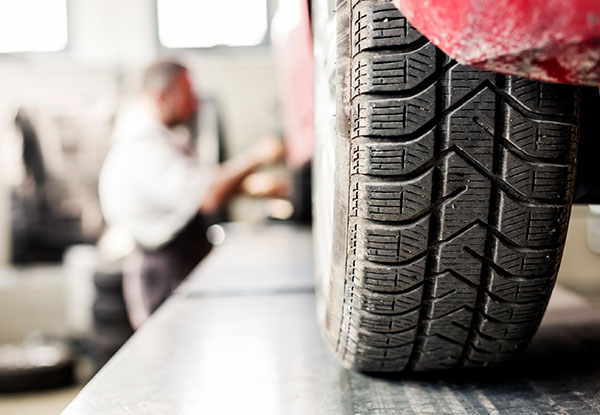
28 368
119 328
452 191
110 310
105 343
109 280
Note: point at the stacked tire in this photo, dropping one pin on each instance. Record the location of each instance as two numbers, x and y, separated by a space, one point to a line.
111 325
35 365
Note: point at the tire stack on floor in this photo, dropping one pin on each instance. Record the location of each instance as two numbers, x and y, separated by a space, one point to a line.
37 364
111 325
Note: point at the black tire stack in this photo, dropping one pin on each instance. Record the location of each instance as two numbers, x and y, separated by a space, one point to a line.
28 367
111 325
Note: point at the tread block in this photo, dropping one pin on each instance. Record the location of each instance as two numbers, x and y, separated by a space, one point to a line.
462 80
389 118
508 331
480 358
451 292
389 278
369 358
438 354
380 303
381 353
392 159
453 326
532 226
386 323
541 139
509 312
364 362
520 290
376 339
377 26
393 202
393 72
471 127
526 262
475 199
535 179
391 244
545 98
453 255
494 347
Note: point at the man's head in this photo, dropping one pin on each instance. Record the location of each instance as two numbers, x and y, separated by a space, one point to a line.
168 85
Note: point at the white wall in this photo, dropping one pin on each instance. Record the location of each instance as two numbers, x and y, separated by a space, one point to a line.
108 32
31 300
122 34
244 86
110 42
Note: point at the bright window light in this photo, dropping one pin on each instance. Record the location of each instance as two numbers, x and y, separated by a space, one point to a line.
33 25
207 23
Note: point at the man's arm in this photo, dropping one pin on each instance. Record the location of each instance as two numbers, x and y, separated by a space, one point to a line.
232 173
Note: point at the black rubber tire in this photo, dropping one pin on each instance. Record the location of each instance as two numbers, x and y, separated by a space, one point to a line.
109 280
453 190
109 309
34 375
105 343
41 378
120 326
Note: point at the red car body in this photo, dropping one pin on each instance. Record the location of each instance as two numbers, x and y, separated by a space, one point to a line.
548 40
292 43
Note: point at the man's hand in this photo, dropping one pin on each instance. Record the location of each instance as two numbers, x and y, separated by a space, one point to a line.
268 151
232 173
265 184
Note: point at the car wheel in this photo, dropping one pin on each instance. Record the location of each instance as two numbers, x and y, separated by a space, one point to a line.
442 195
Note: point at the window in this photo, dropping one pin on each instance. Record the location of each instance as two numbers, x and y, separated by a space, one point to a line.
33 25
208 23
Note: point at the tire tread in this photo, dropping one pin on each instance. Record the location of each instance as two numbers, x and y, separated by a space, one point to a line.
459 198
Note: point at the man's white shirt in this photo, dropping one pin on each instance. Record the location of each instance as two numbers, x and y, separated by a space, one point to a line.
152 182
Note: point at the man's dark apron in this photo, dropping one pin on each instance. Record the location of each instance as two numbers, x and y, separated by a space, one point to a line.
163 269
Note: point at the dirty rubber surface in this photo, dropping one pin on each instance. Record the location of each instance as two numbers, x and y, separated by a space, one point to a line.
255 351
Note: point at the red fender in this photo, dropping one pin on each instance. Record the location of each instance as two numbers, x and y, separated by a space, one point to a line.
549 40
292 42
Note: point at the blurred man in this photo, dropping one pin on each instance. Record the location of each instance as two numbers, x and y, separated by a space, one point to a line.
152 186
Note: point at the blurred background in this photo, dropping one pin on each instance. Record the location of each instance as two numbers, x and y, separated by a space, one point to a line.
66 69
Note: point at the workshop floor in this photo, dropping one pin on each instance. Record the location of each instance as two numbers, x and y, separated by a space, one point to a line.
580 272
40 403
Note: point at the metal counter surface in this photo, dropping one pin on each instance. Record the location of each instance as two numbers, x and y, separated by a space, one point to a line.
222 349
254 258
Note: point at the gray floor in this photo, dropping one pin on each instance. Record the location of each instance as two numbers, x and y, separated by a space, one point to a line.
240 337
38 403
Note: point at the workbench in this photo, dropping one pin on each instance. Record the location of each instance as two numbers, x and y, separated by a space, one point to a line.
240 336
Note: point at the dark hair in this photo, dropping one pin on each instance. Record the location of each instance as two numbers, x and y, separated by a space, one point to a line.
159 76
